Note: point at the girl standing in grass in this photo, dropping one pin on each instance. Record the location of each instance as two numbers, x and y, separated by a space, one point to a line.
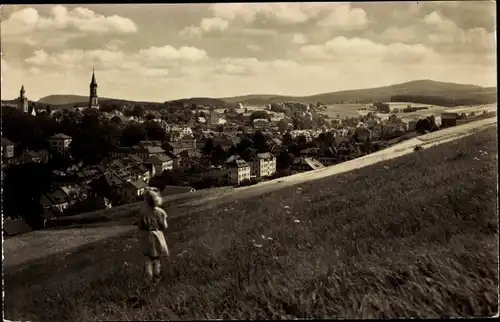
153 220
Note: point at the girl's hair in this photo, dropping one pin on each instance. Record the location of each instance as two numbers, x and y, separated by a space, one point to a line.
152 198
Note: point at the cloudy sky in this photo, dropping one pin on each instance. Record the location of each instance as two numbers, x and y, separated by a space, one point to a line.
168 51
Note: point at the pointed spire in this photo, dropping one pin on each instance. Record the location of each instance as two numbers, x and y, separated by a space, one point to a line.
93 82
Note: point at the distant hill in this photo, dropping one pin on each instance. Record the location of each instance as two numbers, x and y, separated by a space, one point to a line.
420 91
204 101
63 99
471 93
71 100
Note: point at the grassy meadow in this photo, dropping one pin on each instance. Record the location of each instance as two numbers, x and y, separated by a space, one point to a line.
415 236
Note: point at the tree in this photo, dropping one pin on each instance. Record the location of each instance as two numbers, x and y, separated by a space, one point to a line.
326 139
423 125
48 109
284 160
208 147
155 132
132 134
287 139
218 155
259 115
382 107
150 116
21 196
282 125
171 177
260 142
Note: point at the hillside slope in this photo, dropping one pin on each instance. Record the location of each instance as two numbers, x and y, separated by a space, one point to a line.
481 95
414 236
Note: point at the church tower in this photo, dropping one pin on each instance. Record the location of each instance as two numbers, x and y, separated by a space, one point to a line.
22 103
93 100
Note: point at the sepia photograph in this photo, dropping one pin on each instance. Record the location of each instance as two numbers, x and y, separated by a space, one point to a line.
252 160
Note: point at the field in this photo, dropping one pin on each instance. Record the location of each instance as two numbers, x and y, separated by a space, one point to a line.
415 236
343 110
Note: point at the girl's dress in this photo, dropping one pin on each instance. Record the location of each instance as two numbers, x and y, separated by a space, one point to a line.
153 222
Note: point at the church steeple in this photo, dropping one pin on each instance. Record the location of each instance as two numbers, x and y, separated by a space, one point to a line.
93 100
22 101
93 81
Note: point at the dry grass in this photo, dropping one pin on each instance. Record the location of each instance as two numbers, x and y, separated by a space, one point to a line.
412 237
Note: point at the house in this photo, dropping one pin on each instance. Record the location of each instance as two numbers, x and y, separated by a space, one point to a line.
260 123
178 147
58 200
412 125
74 192
393 119
214 118
449 119
238 170
188 140
60 142
306 164
143 153
141 172
7 148
133 189
175 190
160 164
40 156
362 134
263 165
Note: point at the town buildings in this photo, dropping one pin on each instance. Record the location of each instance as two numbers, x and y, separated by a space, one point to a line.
263 165
160 163
238 170
60 142
449 119
7 149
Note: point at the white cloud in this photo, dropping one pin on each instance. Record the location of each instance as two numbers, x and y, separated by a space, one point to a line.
352 49
480 39
233 11
252 66
344 17
211 24
440 23
284 13
191 32
253 47
206 25
34 70
299 39
446 32
154 72
150 59
28 20
394 33
169 53
114 44
40 57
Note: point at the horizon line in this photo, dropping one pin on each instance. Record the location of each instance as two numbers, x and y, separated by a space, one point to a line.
242 95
